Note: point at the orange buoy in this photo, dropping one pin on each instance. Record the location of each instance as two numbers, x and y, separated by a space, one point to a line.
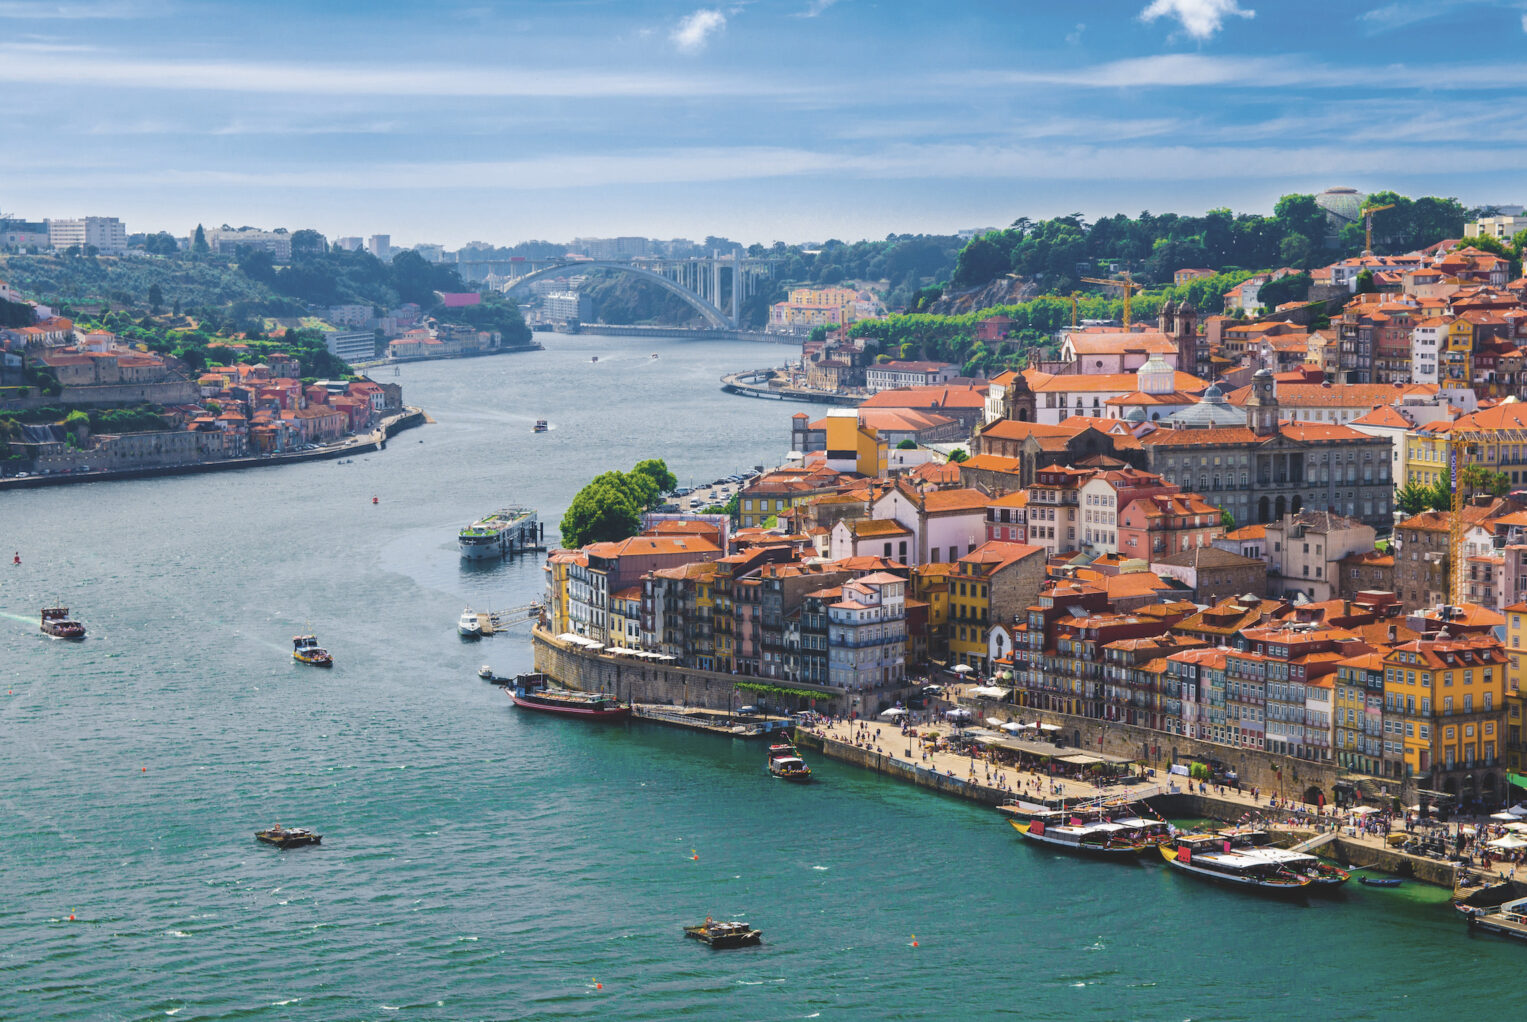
71 917
914 940
373 500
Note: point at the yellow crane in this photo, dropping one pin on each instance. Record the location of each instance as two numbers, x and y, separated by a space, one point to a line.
1072 297
1368 226
1127 284
1464 448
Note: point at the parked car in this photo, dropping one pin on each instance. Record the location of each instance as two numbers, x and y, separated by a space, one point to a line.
747 711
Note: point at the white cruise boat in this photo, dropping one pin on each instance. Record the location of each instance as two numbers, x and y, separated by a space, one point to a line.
470 625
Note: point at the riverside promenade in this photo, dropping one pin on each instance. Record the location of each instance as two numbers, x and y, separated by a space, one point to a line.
880 746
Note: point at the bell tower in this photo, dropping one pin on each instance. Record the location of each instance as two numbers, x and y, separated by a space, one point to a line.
1019 403
1262 406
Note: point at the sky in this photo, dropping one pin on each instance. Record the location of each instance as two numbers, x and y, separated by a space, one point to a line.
450 121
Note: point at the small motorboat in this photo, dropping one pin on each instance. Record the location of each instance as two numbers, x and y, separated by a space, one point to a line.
1380 881
540 426
790 768
724 935
594 359
654 354
57 623
305 650
288 837
486 674
469 625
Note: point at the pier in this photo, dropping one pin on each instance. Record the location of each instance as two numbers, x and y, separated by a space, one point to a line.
716 722
756 383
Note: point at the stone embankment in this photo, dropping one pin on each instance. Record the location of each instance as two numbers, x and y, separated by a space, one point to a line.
373 440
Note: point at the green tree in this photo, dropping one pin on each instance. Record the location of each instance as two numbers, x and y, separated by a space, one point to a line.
1478 478
199 244
1227 521
656 469
1293 288
600 512
155 299
1439 495
980 262
1413 498
907 445
958 455
1366 284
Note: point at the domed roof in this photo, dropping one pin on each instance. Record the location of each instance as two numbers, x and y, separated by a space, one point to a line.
1210 412
1135 414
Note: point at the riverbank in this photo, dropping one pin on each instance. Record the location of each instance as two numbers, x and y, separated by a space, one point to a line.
883 749
750 383
374 440
409 359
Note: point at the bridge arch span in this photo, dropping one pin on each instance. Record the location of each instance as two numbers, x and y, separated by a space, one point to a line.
714 316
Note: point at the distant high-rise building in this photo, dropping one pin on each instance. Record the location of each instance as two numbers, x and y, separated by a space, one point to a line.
349 244
227 241
380 245
106 233
431 253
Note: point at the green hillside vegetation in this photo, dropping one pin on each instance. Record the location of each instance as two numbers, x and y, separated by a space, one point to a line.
1032 331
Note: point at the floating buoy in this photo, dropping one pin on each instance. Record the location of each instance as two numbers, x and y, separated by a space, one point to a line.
71 917
914 940
374 500
17 558
145 769
694 856
598 985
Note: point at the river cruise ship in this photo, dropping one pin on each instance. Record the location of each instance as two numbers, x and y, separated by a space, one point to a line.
506 531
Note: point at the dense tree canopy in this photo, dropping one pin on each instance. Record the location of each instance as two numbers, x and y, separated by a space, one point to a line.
610 506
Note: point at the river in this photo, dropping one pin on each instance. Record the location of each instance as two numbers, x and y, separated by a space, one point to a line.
480 863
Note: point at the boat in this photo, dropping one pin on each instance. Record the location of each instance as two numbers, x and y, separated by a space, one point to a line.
57 623
1507 920
305 650
790 768
654 354
469 625
724 935
288 837
531 694
784 749
498 534
594 359
1380 881
1101 837
1322 875
540 426
1210 856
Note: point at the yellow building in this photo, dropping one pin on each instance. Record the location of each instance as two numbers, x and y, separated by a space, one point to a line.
1497 437
626 618
781 490
1448 698
1455 362
1516 695
969 615
852 446
558 564
930 584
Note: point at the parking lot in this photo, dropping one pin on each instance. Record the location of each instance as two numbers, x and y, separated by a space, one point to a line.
716 492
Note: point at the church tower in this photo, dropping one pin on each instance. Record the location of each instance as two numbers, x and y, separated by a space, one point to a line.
1019 403
1262 406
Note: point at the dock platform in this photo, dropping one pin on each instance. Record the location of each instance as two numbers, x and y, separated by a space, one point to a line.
716 722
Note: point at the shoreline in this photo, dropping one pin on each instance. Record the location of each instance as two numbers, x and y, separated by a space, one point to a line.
733 383
376 440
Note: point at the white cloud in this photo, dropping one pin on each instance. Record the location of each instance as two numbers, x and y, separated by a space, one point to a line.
694 31
1199 18
814 8
35 10
1524 23
1072 38
28 67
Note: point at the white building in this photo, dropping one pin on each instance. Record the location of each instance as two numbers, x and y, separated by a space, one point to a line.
891 375
351 345
106 233
1502 228
867 633
944 525
349 244
228 241
380 245
567 307
1426 341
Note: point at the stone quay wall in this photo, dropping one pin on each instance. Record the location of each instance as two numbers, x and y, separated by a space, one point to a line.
1285 775
651 682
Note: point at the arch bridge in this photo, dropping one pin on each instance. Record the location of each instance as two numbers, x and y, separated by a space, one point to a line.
697 281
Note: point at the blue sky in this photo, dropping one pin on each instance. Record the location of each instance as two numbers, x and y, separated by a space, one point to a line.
767 120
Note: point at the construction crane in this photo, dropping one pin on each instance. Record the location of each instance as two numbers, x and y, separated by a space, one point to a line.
1368 226
1072 297
1464 448
1127 284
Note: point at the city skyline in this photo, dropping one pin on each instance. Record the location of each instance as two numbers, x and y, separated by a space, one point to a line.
796 120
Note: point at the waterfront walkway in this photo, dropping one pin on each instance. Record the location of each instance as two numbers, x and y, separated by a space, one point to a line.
973 776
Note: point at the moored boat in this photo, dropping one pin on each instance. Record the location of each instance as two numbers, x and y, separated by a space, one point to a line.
1101 837
57 623
1379 881
1322 875
567 702
503 532
724 935
790 768
1209 856
288 837
1507 920
305 650
469 625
